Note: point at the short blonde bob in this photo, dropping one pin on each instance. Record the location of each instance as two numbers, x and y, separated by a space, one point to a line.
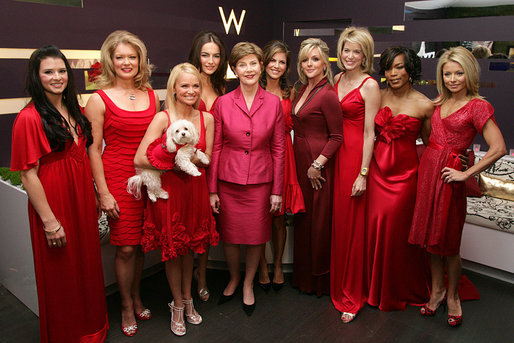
243 49
179 69
305 48
361 36
471 69
108 76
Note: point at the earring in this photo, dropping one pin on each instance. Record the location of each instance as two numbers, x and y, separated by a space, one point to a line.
410 79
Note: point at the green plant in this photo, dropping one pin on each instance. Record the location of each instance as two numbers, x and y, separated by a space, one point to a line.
12 176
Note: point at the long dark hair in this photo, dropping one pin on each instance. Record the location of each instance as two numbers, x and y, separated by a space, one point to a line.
57 129
270 49
218 77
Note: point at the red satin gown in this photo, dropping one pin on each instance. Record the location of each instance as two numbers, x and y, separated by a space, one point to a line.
292 197
348 274
183 222
69 280
123 131
399 271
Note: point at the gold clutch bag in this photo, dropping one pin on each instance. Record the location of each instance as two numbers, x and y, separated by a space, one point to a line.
495 187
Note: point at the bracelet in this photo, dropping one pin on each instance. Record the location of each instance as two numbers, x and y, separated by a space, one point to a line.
315 166
51 232
320 166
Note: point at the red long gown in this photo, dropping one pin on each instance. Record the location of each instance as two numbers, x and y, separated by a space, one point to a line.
348 275
123 131
400 272
69 280
318 130
292 197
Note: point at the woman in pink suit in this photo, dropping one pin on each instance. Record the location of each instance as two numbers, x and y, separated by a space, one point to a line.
246 175
440 207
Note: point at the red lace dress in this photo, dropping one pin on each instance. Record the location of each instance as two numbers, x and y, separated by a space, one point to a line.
292 197
441 207
184 222
348 274
123 131
400 272
70 284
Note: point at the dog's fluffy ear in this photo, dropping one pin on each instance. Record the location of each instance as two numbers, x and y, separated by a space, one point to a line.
170 144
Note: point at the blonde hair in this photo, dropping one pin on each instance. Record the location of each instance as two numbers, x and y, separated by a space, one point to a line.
243 49
305 49
469 64
108 76
361 36
179 69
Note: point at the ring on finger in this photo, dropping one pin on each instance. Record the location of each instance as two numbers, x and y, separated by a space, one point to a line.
54 243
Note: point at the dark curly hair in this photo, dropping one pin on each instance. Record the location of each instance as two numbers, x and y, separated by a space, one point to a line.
56 128
412 61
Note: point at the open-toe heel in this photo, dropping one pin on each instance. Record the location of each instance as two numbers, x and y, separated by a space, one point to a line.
192 316
177 327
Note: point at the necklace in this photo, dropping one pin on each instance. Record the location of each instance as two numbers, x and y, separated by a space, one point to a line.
132 96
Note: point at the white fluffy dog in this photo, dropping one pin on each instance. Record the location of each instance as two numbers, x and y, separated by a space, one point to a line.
181 132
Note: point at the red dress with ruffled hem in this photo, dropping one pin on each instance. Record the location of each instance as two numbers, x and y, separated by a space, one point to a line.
184 222
292 198
69 280
123 131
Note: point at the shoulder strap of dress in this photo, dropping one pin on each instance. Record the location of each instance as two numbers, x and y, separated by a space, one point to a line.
202 125
337 83
169 119
151 97
366 79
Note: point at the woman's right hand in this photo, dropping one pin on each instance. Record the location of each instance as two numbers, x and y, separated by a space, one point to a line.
215 202
55 239
109 205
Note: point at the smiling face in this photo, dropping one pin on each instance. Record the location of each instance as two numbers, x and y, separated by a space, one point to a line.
352 56
454 77
187 89
210 58
277 65
248 70
53 75
397 76
125 60
313 65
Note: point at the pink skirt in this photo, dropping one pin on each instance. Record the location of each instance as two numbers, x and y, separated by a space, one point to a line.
244 213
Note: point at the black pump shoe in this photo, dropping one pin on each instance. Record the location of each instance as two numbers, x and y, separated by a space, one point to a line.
265 286
277 286
249 309
225 298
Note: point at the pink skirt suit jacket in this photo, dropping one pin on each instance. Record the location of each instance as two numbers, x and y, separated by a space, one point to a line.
247 165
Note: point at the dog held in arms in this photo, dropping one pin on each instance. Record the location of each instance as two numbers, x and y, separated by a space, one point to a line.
181 132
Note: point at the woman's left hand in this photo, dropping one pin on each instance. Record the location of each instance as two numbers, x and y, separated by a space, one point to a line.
276 202
359 186
314 176
452 175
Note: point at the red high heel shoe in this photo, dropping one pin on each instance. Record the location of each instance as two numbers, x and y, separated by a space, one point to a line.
454 321
145 315
428 312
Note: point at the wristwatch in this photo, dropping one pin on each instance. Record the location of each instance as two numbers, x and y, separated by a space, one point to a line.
364 171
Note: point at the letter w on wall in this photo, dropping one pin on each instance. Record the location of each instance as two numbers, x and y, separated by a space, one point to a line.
232 18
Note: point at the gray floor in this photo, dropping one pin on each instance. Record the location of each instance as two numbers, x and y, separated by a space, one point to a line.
290 316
